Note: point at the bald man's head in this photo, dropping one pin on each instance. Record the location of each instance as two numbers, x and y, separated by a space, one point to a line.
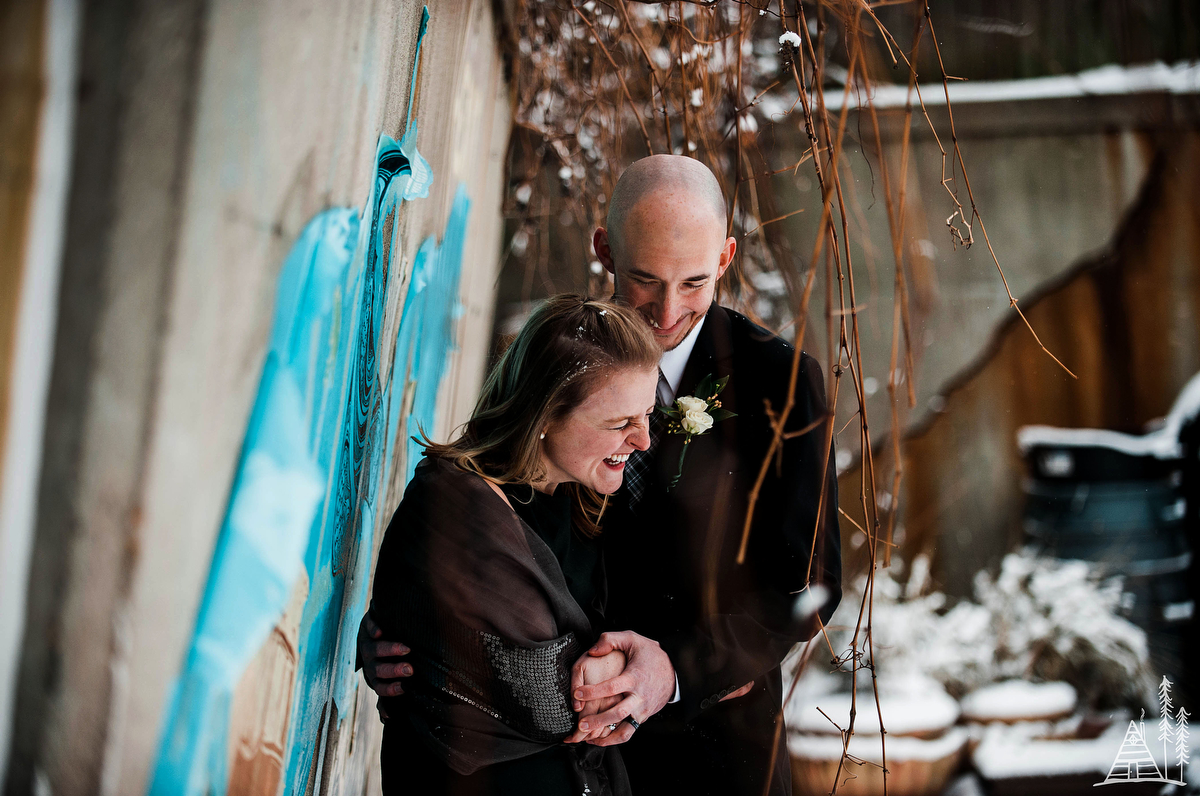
665 244
662 174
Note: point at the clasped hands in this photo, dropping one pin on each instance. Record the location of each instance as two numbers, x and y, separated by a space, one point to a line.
623 675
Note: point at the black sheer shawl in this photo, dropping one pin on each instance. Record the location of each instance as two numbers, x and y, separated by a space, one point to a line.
482 602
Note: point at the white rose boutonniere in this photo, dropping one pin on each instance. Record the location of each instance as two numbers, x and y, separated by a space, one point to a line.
696 422
693 415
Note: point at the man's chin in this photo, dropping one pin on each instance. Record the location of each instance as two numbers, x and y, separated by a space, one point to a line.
672 344
676 339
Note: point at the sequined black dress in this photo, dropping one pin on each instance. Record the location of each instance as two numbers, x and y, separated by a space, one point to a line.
489 602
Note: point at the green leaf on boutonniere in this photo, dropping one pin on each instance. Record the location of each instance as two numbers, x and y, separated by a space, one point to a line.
721 414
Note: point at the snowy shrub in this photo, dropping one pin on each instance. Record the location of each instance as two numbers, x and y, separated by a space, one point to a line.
1037 619
1055 620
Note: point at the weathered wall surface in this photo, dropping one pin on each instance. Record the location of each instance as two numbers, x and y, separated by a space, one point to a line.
1053 180
1126 318
22 40
207 135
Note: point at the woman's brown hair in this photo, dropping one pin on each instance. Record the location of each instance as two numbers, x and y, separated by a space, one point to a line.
551 367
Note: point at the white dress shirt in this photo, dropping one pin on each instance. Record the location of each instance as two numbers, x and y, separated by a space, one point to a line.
674 362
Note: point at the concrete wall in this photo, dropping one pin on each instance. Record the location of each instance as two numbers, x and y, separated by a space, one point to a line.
1120 305
38 42
206 135
1053 180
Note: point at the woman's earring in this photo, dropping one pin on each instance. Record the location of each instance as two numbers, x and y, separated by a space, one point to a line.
543 435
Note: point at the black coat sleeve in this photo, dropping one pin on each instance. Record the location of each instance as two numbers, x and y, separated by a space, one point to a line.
794 546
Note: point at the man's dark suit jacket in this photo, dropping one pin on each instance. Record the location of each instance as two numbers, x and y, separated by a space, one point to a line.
673 576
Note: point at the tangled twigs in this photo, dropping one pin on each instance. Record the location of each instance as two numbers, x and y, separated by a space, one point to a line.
625 88
1012 300
900 320
591 80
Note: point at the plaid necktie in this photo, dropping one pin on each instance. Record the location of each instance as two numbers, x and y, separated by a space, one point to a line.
637 471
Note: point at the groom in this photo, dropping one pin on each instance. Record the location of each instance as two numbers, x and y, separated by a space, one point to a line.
706 634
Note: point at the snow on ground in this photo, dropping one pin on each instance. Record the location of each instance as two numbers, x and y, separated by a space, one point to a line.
868 747
1008 751
1033 607
1015 699
1162 443
922 707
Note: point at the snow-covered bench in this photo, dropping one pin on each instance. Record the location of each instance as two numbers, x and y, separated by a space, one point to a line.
1100 454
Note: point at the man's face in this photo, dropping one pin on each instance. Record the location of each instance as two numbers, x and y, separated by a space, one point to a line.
673 253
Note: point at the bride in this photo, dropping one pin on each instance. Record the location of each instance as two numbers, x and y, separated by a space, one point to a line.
491 572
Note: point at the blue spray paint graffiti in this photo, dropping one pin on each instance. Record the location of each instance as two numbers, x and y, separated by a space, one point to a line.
341 540
326 681
235 616
318 453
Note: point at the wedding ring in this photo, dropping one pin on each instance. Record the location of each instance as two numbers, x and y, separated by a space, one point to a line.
612 727
634 723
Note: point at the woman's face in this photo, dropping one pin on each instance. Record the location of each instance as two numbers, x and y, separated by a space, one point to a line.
591 444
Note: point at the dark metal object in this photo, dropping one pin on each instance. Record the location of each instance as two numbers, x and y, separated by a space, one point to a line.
1126 513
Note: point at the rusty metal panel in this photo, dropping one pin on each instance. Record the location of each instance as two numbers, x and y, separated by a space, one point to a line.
22 85
1126 320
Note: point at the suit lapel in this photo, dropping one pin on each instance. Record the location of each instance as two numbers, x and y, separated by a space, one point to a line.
711 355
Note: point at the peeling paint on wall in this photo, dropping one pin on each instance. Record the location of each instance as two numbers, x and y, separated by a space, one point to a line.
270 673
176 233
318 454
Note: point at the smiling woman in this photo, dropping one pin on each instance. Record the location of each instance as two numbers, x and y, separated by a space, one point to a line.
590 445
568 397
490 572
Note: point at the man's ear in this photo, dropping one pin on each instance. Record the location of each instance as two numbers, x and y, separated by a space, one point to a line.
726 256
603 250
